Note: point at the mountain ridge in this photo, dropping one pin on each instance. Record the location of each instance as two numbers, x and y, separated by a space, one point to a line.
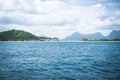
114 34
76 36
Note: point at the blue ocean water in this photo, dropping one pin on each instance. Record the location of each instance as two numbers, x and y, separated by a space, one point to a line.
59 60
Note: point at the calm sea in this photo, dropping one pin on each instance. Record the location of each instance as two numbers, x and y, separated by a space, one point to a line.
59 60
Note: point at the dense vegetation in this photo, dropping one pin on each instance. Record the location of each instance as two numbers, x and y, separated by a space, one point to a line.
85 39
17 35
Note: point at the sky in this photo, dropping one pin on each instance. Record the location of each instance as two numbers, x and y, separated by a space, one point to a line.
60 18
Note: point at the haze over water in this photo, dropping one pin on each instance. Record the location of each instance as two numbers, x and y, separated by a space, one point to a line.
59 60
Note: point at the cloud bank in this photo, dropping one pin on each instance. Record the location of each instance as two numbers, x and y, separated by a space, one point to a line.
59 18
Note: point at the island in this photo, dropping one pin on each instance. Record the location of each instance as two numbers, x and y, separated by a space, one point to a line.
21 35
86 39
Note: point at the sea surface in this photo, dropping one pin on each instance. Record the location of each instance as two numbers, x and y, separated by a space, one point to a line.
59 60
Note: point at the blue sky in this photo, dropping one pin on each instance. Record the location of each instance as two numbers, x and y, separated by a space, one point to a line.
60 18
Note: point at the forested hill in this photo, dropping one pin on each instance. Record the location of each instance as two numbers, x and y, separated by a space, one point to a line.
17 35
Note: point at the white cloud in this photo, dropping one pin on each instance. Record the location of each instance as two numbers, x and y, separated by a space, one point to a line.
55 17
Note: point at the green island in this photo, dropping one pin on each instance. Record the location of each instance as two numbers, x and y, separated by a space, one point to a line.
20 35
86 39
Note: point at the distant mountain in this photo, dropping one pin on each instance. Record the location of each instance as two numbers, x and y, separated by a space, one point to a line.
114 34
74 36
16 35
96 35
78 36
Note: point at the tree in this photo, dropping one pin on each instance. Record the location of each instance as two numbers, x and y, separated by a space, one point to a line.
84 39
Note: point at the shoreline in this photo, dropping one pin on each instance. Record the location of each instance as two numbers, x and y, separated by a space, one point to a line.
59 41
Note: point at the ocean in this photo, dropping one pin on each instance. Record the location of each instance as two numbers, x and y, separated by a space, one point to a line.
59 60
